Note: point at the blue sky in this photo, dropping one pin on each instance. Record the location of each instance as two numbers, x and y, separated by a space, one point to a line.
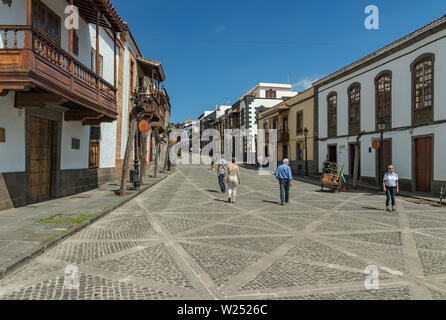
214 51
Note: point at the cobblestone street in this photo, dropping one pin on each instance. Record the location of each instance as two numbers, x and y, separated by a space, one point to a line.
181 240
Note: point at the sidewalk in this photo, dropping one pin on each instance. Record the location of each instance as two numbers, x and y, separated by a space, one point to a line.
27 231
420 197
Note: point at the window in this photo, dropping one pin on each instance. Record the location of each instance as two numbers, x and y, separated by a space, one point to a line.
271 94
300 152
75 43
275 124
299 123
93 63
354 110
285 151
332 104
423 84
285 123
46 19
423 96
383 85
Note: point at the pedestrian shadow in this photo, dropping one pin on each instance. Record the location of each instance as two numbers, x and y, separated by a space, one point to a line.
371 208
219 200
212 191
273 202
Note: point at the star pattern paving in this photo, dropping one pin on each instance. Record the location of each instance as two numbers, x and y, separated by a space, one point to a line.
181 240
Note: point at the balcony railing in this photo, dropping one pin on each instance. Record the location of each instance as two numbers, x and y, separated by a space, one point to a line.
284 135
27 50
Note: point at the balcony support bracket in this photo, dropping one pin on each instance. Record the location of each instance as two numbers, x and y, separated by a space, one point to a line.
36 100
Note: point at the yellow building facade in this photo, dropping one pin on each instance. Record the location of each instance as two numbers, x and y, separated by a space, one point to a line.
292 119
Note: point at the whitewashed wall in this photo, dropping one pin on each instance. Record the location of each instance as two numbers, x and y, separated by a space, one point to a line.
399 63
125 99
108 145
12 153
74 159
16 14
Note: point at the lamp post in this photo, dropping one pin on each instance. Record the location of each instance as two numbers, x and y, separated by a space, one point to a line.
306 151
381 127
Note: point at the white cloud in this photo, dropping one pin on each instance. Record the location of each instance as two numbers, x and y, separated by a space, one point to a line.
220 29
305 83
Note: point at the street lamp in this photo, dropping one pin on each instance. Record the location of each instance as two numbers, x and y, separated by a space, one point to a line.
306 151
381 127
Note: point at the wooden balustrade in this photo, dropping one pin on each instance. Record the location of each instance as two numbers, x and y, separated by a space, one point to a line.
8 31
48 54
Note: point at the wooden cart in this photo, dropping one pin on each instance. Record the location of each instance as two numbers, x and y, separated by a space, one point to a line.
333 178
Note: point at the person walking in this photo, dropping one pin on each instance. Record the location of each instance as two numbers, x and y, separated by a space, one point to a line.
221 173
285 177
391 187
232 176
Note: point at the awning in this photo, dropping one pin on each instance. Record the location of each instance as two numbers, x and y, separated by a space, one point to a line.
152 69
110 18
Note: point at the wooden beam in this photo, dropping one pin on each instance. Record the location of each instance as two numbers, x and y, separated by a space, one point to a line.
114 50
36 99
80 115
97 46
28 41
70 34
91 122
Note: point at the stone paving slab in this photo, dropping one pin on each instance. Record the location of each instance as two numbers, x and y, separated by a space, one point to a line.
181 240
22 236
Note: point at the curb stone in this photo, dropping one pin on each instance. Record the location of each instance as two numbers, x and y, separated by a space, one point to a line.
44 246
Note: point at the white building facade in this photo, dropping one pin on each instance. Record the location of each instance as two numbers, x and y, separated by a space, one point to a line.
399 87
57 114
263 96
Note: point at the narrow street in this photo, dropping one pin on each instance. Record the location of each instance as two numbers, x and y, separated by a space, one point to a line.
181 240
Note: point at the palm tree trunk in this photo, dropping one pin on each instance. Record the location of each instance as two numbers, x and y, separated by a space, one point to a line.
166 159
128 149
157 146
144 138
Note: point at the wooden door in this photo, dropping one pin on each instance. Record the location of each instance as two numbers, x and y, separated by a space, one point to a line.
40 166
332 154
93 160
387 149
423 164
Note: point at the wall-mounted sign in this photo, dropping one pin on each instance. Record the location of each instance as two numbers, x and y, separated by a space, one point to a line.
75 144
2 135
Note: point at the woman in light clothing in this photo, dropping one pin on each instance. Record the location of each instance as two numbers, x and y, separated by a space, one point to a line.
391 186
232 176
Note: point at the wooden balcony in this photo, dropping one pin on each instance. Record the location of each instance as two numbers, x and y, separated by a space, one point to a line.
40 64
283 135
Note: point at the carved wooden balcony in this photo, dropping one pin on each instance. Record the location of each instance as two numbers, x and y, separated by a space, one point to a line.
283 135
39 62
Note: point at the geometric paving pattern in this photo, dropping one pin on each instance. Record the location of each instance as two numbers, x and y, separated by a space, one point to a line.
181 240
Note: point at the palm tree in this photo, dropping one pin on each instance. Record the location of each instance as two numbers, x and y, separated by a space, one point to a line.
140 101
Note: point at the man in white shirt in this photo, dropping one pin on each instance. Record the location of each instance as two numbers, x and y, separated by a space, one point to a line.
391 186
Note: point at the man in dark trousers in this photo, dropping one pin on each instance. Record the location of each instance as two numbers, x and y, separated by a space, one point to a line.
285 177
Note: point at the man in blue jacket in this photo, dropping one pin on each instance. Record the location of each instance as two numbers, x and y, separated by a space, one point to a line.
285 177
